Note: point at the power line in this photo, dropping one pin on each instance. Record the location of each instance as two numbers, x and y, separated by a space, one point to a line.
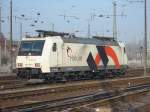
0 34
145 32
145 37
11 19
114 20
114 15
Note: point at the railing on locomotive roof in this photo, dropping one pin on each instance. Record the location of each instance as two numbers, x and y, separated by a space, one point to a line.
43 33
104 38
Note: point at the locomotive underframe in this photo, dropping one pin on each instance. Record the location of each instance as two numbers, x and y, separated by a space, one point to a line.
30 73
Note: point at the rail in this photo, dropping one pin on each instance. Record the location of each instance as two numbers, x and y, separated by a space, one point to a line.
71 102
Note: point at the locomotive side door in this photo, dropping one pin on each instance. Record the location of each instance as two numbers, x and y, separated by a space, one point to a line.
54 54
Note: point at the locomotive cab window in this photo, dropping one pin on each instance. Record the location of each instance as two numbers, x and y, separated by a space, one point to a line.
54 48
34 47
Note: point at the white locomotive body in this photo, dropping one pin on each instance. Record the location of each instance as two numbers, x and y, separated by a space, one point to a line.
52 56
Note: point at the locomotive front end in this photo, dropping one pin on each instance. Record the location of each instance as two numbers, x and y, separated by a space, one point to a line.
28 62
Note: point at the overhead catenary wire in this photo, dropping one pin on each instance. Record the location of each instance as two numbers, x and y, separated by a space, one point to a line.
145 33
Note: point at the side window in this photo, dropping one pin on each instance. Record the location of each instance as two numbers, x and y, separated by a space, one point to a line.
124 50
54 47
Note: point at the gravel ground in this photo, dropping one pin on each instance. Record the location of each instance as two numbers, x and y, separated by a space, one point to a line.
7 74
5 71
5 68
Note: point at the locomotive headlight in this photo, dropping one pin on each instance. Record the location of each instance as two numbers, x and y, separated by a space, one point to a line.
37 64
20 64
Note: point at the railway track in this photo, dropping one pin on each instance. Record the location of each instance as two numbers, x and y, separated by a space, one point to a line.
63 104
7 76
11 82
21 98
130 100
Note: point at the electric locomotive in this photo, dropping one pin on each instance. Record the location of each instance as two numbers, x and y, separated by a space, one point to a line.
53 55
